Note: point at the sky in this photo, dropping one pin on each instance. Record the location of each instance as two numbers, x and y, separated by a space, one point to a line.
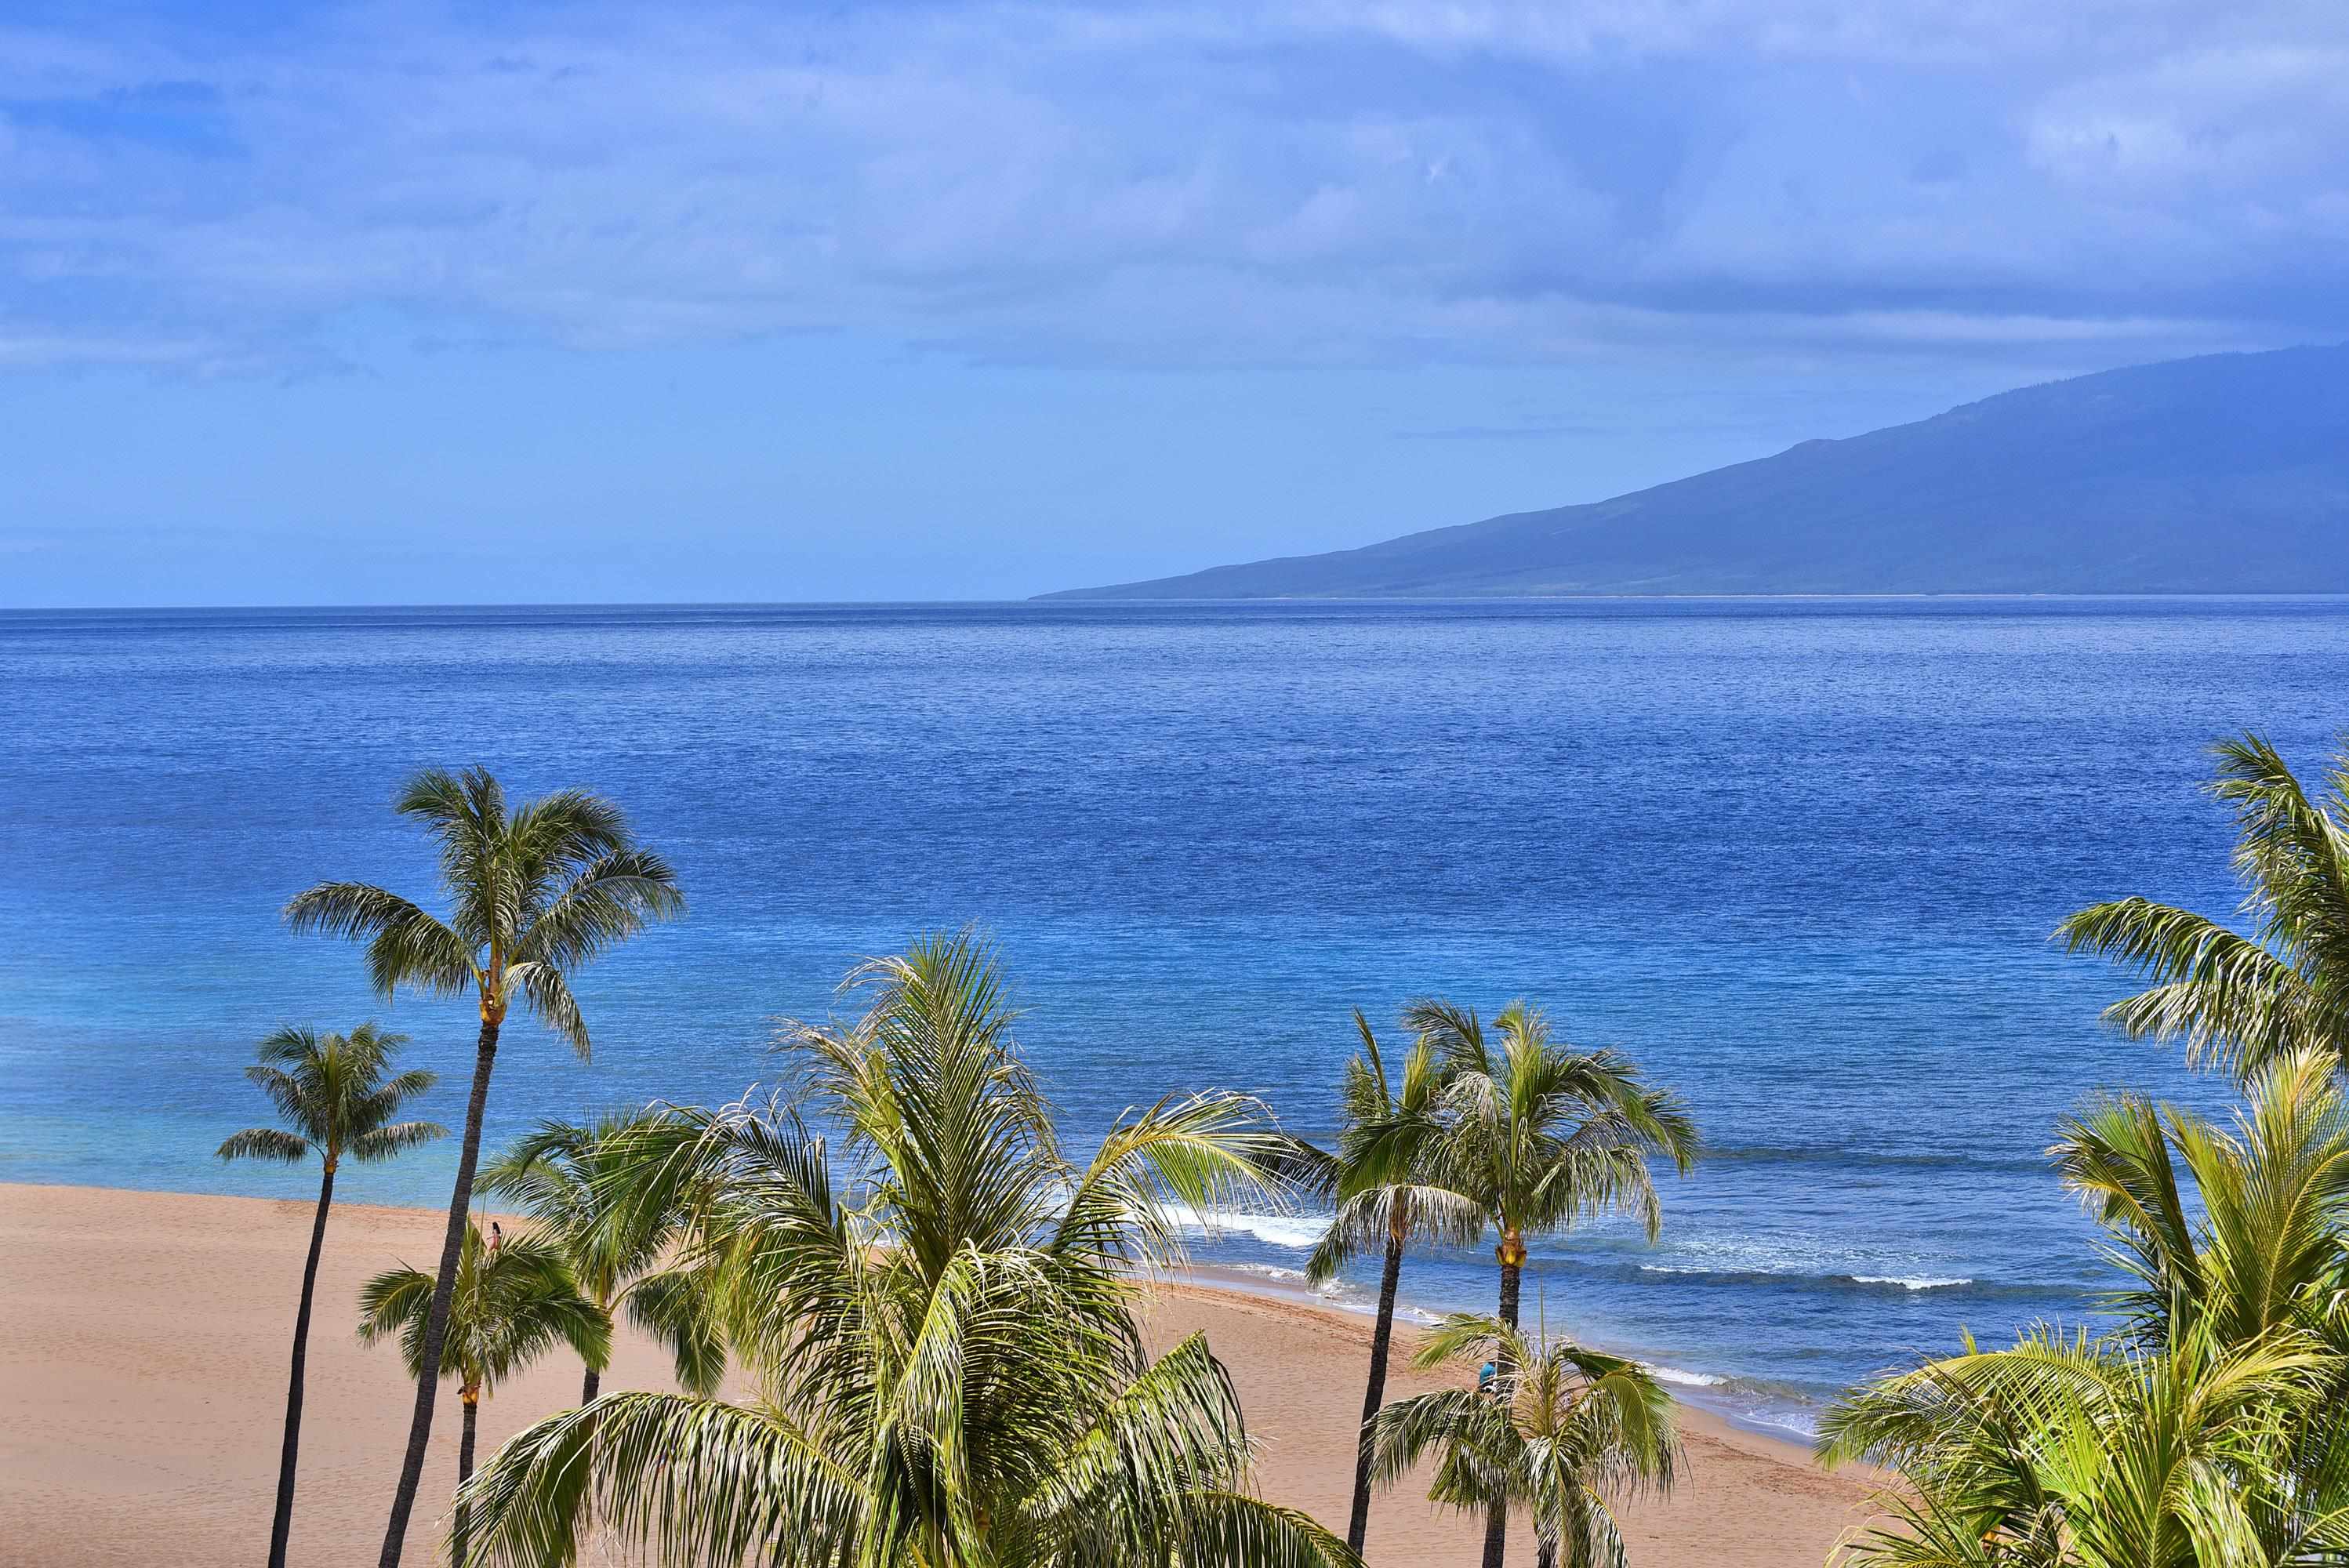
522 303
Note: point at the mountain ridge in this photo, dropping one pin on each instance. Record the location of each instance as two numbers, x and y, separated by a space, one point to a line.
2223 473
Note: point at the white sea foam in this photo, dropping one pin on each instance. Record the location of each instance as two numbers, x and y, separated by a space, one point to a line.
1907 1283
1299 1232
1686 1379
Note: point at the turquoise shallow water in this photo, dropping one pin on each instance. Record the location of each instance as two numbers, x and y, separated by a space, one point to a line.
1799 858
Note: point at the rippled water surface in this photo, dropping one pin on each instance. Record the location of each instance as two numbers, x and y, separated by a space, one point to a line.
1800 859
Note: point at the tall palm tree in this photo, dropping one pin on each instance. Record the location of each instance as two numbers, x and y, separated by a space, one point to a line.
1384 1202
1540 1135
513 1303
2235 1000
331 1091
571 1179
533 894
1576 1433
936 1305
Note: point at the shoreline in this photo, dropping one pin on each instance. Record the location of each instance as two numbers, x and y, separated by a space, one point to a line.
143 1341
1691 1390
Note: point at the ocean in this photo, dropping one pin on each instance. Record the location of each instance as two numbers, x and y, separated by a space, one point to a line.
1800 859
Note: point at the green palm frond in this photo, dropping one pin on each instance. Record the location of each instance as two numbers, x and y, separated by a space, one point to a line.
1178 1162
265 1143
2239 1001
679 1308
406 948
1537 1133
695 1481
1430 1217
1578 1432
933 1303
507 1308
385 1143
2206 1428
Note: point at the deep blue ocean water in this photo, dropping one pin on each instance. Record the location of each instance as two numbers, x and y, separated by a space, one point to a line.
1800 859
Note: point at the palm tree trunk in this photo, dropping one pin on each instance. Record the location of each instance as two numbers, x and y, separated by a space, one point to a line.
436 1322
1381 1340
462 1546
281 1527
588 1385
1496 1523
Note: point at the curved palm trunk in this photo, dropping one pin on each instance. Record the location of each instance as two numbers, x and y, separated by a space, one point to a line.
1513 1263
436 1322
462 1551
1381 1341
281 1527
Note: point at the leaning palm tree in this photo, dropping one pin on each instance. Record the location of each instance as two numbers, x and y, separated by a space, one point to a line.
935 1305
1578 1432
1540 1135
332 1093
2235 1000
572 1178
1384 1203
514 1302
533 894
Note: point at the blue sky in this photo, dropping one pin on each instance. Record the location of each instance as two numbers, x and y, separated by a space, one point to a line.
523 301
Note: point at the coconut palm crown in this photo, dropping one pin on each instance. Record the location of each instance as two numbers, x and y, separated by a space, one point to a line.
2238 1001
1577 1433
572 1178
532 893
332 1094
934 1303
1384 1204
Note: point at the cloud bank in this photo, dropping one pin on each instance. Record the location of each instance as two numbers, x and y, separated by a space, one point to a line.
1303 181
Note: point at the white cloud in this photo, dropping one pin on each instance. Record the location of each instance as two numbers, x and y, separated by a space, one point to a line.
1317 181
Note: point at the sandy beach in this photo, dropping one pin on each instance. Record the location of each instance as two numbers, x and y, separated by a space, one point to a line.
144 1339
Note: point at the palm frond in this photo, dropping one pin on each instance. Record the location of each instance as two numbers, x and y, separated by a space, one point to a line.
264 1143
692 1481
383 1143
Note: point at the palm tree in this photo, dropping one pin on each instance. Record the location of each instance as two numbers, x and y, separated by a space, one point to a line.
1538 1135
513 1303
332 1092
940 1325
2073 1452
2206 1427
1383 1137
571 1179
2239 1001
1576 1431
2256 1243
533 894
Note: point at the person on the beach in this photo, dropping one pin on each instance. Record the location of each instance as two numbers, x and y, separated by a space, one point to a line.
1487 1376
497 1238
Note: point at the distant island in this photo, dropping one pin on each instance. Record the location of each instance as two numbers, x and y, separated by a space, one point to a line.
2223 474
